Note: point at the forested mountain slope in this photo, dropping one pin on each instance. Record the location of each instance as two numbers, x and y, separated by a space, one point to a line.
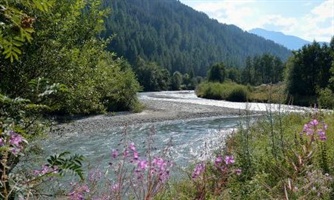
180 38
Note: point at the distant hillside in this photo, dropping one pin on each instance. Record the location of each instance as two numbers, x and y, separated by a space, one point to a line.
179 38
289 41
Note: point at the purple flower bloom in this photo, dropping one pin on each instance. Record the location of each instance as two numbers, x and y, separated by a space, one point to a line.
114 153
314 122
312 127
78 193
322 135
218 161
229 160
46 169
15 139
2 142
199 169
238 171
132 146
135 155
142 165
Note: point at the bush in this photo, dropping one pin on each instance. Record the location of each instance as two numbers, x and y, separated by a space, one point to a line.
326 98
238 94
222 91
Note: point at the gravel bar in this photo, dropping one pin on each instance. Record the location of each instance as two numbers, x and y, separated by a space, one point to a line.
155 111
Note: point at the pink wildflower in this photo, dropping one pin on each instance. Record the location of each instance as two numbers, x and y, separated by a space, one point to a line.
229 160
132 146
15 139
114 153
199 169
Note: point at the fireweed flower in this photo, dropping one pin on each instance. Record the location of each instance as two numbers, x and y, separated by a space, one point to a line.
199 169
142 165
315 127
238 171
135 155
229 160
218 161
2 142
78 193
15 139
114 153
160 167
46 169
132 146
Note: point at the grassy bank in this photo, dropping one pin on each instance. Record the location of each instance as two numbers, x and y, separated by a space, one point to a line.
240 93
280 157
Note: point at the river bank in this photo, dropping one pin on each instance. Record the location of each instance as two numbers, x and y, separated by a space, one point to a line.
155 111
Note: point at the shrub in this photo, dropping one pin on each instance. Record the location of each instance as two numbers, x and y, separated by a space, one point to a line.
326 98
222 91
238 93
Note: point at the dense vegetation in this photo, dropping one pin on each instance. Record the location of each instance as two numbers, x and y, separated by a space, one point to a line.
179 38
282 156
310 75
234 84
66 67
305 79
53 61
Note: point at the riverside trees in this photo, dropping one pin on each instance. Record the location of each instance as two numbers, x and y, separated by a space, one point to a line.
65 66
52 60
309 75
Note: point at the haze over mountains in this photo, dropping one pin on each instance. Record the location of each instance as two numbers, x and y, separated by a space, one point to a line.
289 41
179 38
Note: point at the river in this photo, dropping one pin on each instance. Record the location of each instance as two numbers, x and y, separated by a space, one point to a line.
188 140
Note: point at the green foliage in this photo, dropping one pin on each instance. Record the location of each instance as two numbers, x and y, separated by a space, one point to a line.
217 73
287 160
308 71
222 91
238 94
16 25
179 38
326 98
268 93
176 81
264 69
151 76
67 68
66 163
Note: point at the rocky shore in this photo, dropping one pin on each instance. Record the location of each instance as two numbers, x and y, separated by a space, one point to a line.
154 111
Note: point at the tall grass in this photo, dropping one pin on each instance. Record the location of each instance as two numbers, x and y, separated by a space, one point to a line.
281 156
222 91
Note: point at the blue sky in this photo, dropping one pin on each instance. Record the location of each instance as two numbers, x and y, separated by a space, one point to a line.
308 19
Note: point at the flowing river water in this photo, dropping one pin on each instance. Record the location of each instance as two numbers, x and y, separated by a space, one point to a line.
188 140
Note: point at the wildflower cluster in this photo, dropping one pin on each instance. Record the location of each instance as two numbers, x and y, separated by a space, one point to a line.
133 175
157 166
220 164
13 141
79 191
314 127
46 169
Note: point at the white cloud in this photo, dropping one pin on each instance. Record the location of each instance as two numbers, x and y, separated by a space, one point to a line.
317 23
324 11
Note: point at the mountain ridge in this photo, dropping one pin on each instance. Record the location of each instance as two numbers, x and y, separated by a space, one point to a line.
180 38
289 41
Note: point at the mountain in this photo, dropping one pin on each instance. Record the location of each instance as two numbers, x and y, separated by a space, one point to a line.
179 38
289 41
